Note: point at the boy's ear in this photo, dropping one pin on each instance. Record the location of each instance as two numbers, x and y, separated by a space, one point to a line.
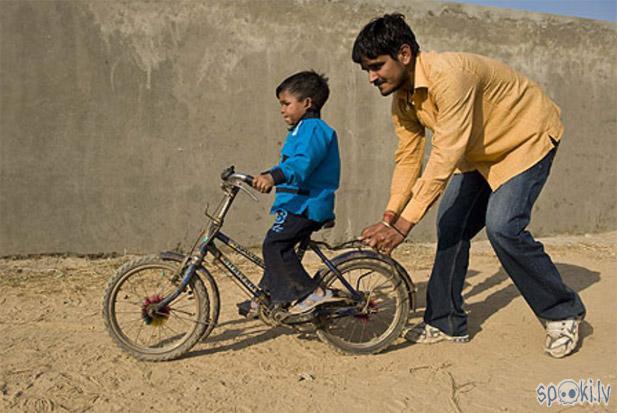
308 102
404 54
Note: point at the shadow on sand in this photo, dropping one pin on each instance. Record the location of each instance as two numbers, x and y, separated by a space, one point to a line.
254 332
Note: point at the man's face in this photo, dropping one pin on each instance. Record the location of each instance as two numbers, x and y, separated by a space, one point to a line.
385 73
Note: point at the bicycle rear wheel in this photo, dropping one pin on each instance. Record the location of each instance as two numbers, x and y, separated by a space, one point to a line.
167 334
384 313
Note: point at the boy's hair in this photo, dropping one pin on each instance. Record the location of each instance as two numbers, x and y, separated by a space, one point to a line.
307 84
384 35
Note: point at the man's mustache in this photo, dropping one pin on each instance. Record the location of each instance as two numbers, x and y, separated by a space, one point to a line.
378 82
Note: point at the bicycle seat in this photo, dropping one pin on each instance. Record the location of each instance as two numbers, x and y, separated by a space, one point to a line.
327 224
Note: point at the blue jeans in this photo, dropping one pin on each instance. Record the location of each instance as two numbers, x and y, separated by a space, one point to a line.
468 205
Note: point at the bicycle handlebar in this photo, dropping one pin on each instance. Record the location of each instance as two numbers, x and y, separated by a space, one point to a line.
230 175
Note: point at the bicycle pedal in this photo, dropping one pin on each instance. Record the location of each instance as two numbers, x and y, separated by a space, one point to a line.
245 310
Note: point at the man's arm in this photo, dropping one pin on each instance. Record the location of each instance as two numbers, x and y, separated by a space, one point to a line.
408 164
407 157
455 95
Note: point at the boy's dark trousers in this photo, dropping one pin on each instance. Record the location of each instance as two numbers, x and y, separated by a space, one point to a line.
285 279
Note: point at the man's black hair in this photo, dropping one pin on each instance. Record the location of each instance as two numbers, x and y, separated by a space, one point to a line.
307 84
384 35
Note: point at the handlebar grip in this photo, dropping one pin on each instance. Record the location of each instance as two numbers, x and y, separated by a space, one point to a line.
227 173
249 180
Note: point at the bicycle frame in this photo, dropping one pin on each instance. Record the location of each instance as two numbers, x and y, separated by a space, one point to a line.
207 245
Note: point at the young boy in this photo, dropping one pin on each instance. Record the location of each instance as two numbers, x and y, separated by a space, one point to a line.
306 178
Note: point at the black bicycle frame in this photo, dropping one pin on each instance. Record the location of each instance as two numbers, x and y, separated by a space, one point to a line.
243 280
207 246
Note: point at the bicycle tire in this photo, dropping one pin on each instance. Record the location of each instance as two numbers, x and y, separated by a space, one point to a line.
332 334
165 349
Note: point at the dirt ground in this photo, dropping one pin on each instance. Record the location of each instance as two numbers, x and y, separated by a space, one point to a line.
55 354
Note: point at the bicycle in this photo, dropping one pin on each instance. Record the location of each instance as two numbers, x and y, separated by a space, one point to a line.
156 308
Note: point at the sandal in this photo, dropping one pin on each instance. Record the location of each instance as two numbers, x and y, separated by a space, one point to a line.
313 300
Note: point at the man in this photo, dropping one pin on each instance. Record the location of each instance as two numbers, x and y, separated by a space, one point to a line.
495 134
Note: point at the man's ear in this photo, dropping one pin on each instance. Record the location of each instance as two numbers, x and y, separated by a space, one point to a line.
405 54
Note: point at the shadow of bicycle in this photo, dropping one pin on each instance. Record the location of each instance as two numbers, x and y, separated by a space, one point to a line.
247 333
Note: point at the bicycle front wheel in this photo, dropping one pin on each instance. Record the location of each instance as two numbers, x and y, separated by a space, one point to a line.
167 334
384 313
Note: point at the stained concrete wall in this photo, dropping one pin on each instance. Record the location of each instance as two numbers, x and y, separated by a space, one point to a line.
117 117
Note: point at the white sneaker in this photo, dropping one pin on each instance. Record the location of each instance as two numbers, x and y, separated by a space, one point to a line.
561 337
427 334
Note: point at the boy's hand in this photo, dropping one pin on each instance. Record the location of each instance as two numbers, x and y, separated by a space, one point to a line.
263 183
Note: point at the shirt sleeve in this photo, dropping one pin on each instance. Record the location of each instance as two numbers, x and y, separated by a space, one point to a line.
455 94
408 155
310 151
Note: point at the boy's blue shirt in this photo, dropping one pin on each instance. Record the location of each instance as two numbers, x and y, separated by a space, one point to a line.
310 163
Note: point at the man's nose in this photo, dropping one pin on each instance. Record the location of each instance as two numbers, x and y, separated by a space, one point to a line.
372 76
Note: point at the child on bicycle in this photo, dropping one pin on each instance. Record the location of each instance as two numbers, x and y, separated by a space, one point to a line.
306 178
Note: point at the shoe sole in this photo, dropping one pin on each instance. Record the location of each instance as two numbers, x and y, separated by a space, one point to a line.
441 337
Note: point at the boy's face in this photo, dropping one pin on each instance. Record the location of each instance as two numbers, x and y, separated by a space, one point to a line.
293 108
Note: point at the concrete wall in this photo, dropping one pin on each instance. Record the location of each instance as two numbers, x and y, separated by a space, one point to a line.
116 118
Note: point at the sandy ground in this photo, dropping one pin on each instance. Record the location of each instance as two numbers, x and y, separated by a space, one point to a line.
55 354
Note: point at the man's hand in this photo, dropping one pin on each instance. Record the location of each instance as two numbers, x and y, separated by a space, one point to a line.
263 183
386 236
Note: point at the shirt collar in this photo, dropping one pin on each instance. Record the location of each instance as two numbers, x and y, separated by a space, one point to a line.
419 78
311 113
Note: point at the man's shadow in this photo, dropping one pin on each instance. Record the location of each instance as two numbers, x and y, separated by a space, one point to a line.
576 277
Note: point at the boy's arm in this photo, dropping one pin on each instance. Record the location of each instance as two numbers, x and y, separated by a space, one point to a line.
312 148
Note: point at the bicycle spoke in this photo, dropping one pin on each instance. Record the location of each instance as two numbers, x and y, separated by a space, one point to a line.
182 312
132 303
191 321
171 329
183 321
139 332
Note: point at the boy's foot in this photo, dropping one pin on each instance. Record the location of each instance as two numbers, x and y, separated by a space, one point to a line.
313 300
561 337
248 309
426 334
